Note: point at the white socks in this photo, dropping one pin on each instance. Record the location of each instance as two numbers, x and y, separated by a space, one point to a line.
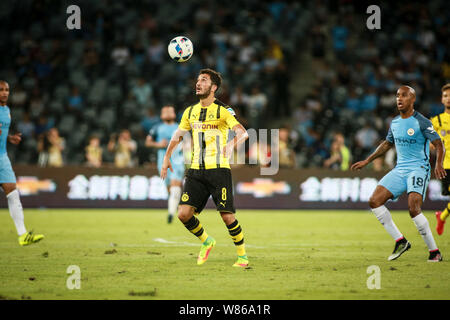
174 199
16 211
421 222
423 226
384 216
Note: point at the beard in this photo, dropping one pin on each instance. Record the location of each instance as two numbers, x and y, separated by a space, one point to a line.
204 95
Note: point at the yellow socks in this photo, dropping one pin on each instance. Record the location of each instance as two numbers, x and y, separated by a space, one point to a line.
196 228
445 213
237 235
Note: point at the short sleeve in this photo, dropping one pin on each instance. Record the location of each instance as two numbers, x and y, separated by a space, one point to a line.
428 130
184 123
229 118
390 136
153 132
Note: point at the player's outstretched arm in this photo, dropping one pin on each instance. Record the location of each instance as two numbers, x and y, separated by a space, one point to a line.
381 150
439 170
176 139
150 143
240 136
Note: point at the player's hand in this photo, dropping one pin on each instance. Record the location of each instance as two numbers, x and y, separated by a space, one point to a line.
440 172
15 138
359 165
166 165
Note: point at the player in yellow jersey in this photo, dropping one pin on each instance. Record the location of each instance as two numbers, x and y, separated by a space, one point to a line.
209 175
441 124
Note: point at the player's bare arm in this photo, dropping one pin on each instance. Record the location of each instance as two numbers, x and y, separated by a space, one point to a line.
176 139
240 136
150 143
439 170
381 150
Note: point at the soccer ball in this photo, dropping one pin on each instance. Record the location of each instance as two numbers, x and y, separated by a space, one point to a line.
180 49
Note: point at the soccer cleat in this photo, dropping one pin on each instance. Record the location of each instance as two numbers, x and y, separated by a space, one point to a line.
205 250
440 223
242 262
400 247
169 219
30 238
435 256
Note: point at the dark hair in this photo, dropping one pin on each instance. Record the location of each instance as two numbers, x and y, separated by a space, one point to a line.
94 136
446 87
216 77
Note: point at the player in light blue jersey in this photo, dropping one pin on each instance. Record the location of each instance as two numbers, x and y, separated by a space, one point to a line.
7 176
411 134
159 137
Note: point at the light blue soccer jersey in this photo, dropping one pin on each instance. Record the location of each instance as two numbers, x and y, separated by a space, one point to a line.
5 122
166 131
6 172
412 137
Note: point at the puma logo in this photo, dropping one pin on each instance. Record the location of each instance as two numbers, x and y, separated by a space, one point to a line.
223 204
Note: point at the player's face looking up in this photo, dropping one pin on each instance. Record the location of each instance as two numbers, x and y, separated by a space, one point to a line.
168 114
204 86
446 98
405 99
4 92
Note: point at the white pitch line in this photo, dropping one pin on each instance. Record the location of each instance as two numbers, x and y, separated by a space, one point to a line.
161 240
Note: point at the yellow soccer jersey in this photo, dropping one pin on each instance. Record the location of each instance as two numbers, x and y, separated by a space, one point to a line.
209 126
441 124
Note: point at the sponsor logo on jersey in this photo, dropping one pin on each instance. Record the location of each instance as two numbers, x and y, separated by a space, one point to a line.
204 126
405 141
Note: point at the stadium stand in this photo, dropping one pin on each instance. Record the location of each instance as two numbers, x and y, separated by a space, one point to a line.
285 64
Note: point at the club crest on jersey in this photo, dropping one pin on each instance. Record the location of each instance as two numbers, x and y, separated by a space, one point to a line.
410 132
443 133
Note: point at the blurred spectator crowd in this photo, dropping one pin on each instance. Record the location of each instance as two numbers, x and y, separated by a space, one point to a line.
358 73
90 96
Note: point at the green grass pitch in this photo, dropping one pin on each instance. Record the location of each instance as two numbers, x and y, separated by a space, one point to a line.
135 254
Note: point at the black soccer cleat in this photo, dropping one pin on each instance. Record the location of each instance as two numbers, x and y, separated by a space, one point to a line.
169 219
435 256
401 246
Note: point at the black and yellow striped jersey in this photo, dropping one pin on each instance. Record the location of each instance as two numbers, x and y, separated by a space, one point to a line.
209 126
441 124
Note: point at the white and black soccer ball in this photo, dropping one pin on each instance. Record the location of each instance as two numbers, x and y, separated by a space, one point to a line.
180 49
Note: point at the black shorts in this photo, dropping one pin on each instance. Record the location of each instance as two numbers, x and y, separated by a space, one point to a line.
200 184
446 184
